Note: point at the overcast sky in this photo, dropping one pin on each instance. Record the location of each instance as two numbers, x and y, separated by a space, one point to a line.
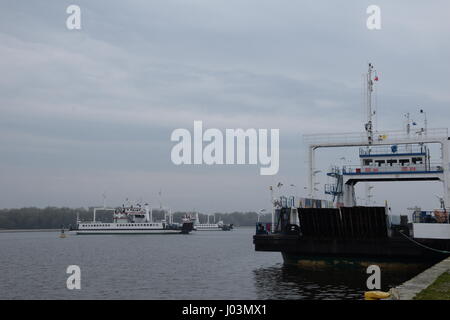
90 111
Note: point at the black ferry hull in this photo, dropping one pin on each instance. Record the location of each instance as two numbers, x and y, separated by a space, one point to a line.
347 233
296 248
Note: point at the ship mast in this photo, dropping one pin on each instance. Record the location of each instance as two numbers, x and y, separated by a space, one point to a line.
369 89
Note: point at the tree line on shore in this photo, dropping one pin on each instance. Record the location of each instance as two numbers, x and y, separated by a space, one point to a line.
55 217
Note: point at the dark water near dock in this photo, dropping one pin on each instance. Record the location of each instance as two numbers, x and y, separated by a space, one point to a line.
202 265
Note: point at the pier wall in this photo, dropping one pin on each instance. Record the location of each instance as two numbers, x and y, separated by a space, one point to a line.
409 289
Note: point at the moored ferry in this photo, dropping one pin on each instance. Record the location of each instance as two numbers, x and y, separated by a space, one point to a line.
309 229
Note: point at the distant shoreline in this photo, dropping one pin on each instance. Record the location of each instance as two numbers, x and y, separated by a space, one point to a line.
27 230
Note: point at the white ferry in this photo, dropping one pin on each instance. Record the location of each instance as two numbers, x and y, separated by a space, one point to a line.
132 220
219 226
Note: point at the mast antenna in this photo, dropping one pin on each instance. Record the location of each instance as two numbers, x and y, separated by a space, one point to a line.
104 200
369 83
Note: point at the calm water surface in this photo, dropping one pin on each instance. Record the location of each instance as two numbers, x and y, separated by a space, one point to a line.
202 265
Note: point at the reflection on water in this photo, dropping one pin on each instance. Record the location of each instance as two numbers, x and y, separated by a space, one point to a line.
321 281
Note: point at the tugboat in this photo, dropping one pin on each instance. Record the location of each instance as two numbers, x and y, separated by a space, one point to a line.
133 220
312 229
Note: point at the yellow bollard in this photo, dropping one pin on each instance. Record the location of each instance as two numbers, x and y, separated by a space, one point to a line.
376 295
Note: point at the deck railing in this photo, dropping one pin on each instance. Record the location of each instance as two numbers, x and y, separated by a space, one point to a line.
393 150
378 137
436 216
413 168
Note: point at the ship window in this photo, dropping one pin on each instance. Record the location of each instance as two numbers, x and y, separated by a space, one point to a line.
391 161
417 160
367 162
403 161
379 162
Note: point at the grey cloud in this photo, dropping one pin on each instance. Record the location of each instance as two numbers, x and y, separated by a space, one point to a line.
86 106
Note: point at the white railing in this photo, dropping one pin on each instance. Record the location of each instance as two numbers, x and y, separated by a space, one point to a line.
381 137
389 169
392 150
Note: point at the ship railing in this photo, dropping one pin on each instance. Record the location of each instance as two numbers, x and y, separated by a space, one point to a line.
435 216
332 189
393 150
334 171
385 168
393 136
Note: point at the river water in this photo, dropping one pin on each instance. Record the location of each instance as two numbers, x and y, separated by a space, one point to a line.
201 265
